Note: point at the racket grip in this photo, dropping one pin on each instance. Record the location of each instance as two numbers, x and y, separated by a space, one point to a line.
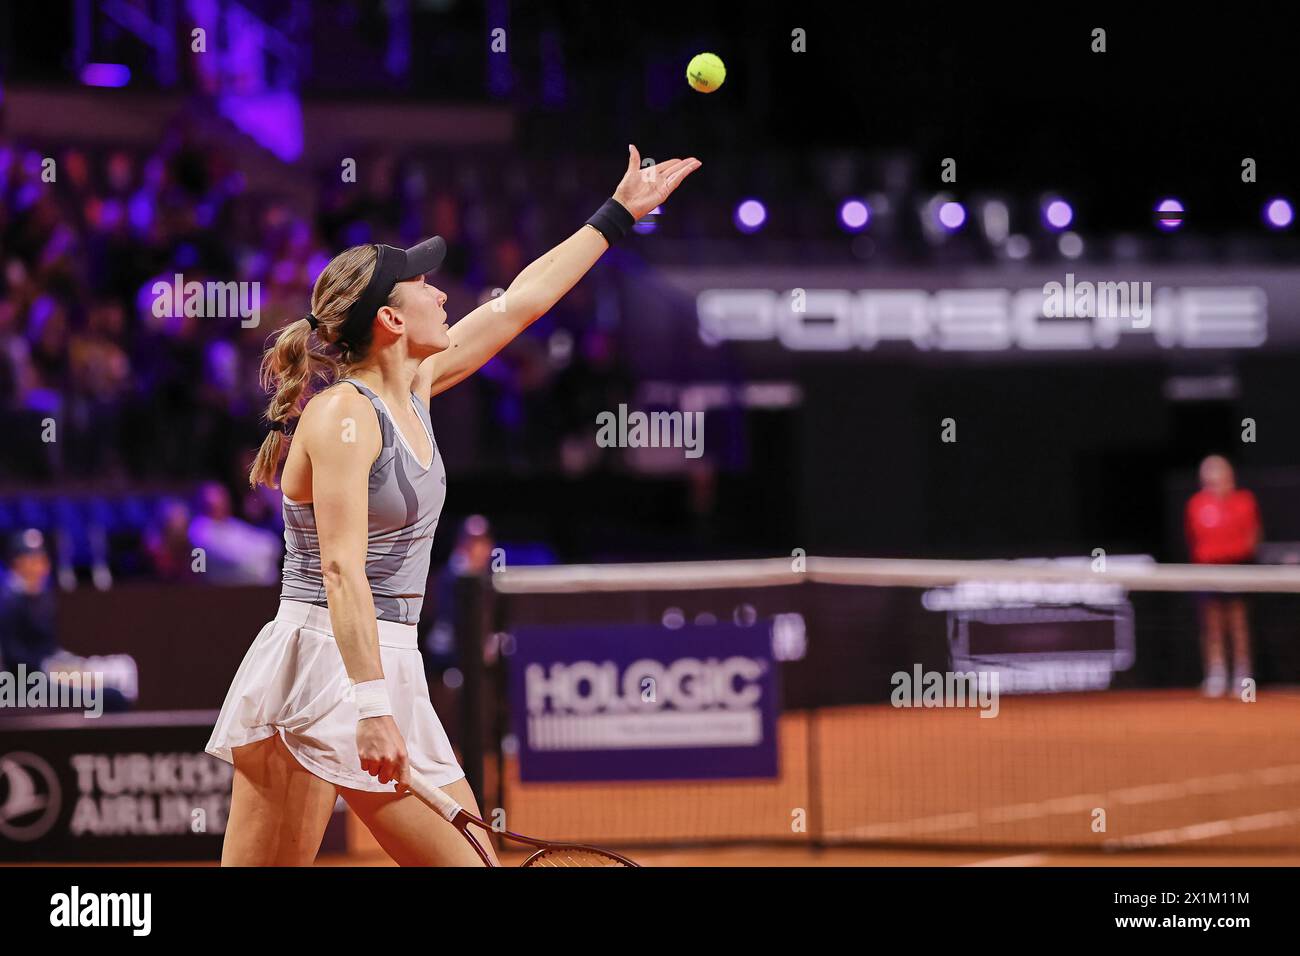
446 807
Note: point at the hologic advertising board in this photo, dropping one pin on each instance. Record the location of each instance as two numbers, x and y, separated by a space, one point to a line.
644 702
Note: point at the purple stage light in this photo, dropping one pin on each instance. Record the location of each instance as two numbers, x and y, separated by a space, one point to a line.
951 215
105 74
750 216
1278 213
1169 214
1057 214
273 118
854 215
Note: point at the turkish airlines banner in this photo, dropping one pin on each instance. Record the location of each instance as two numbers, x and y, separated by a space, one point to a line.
121 787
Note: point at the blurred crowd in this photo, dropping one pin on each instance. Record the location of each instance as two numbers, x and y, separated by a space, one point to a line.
98 389
131 394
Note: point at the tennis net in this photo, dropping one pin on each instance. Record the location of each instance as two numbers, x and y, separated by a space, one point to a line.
1034 704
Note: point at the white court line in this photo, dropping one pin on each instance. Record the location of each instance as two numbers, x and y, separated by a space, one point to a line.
1077 803
1205 831
1024 859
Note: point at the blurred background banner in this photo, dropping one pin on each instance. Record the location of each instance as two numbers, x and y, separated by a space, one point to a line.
994 314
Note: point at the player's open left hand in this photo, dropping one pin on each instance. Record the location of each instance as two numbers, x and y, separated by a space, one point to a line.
643 189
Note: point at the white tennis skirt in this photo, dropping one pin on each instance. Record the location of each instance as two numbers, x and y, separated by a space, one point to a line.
293 682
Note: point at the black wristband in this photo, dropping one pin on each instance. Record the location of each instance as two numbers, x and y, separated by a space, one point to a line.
612 220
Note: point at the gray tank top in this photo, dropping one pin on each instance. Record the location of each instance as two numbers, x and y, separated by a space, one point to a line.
405 502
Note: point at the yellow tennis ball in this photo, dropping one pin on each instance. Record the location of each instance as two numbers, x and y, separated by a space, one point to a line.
705 72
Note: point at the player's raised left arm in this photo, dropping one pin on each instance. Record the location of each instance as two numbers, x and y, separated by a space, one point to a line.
485 331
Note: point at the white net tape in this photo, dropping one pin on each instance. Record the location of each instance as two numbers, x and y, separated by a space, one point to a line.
1127 572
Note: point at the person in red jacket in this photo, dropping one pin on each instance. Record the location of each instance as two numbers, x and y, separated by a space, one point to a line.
1223 527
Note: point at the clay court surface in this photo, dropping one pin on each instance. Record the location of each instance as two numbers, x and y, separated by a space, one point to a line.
799 856
1183 781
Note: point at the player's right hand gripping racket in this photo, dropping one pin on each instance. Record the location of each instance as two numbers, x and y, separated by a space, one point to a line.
547 854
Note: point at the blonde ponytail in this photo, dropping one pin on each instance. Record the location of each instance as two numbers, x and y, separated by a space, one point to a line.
291 363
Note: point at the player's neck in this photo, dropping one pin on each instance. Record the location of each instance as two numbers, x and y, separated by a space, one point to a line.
390 385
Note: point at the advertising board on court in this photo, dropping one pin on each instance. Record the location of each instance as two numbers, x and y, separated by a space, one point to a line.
136 786
644 702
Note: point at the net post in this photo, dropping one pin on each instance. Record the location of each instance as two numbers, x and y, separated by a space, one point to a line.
815 827
499 699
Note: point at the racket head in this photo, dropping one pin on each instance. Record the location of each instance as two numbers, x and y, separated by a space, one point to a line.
571 855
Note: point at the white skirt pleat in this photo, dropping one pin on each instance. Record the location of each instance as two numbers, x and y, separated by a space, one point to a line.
292 681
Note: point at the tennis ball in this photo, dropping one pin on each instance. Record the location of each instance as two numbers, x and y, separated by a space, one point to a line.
705 72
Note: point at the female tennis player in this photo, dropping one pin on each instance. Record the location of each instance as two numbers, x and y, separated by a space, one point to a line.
331 698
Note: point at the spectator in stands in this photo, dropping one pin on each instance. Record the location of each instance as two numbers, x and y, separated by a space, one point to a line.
234 552
13 357
100 379
1223 527
27 633
47 333
168 543
471 556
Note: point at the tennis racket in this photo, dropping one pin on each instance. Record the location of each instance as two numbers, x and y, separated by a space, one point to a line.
546 854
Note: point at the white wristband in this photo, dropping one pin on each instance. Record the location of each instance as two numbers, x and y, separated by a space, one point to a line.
372 699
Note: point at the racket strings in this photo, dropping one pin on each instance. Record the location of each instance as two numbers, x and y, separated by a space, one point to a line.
563 856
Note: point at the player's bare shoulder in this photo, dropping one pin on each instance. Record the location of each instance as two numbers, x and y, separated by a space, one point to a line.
338 425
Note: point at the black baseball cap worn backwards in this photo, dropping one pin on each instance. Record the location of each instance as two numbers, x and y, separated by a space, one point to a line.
392 265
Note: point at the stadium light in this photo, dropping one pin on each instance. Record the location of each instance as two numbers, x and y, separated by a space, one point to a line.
1278 213
750 216
1057 214
1169 214
854 215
